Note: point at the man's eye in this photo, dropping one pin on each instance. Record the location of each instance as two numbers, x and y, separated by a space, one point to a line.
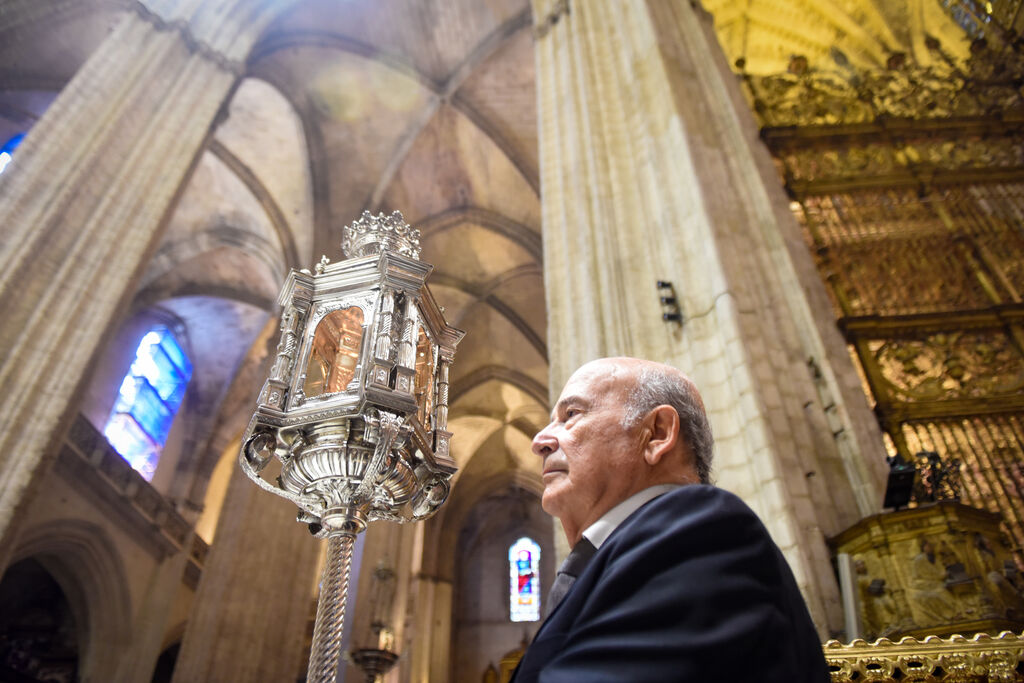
570 413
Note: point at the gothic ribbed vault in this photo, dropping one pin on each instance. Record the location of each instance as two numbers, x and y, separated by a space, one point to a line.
424 107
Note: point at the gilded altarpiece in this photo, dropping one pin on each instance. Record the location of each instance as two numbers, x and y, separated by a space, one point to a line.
909 185
933 570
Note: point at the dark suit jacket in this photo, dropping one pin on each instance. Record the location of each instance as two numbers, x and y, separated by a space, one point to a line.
688 588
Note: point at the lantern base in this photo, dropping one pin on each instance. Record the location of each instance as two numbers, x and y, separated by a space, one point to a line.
373 662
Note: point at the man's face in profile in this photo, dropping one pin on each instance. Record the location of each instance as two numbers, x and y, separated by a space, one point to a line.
590 458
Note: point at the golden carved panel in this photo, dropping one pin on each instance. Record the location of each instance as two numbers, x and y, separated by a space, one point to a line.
992 216
806 96
947 365
937 569
932 659
895 253
899 152
905 275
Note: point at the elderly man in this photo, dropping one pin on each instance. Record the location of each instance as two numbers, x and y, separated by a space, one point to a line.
670 579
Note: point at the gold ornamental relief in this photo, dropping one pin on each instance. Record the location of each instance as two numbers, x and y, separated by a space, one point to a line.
933 570
913 93
967 152
803 100
884 611
905 276
950 365
838 163
961 577
954 151
933 573
936 660
807 96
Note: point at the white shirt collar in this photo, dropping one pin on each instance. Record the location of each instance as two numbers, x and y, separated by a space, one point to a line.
598 532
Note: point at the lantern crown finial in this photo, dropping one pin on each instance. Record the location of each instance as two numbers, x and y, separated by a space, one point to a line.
370 235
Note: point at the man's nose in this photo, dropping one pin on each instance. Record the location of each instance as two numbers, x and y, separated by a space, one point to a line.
544 443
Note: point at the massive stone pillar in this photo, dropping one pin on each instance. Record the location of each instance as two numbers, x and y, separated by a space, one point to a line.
252 613
83 204
429 637
256 596
651 169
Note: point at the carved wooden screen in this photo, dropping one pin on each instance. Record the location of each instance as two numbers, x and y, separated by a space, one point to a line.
920 239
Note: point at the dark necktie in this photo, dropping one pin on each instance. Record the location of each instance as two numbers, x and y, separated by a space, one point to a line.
570 569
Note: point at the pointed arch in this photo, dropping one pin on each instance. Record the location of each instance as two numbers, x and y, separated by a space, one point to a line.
529 385
87 566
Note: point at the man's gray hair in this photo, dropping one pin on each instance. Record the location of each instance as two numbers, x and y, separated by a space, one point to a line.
656 386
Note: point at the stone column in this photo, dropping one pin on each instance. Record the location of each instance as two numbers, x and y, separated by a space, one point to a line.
149 625
651 169
255 598
430 634
83 204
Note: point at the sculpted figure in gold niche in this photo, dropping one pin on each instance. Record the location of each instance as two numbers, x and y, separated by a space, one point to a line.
879 614
1003 580
930 600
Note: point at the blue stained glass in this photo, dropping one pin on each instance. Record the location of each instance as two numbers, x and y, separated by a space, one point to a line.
128 438
126 394
13 143
134 445
163 375
176 355
7 151
150 412
148 399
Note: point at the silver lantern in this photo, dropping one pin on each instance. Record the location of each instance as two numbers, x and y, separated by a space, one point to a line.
351 425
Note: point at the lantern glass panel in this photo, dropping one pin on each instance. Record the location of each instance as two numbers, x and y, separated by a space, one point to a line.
425 379
335 352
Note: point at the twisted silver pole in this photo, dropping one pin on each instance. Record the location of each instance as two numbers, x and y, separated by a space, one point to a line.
330 610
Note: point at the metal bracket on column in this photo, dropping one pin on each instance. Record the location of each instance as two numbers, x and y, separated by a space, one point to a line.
669 303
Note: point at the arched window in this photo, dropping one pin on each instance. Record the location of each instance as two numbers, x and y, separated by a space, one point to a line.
524 586
7 150
148 400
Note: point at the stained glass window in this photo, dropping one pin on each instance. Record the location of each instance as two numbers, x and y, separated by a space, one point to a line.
7 150
148 400
524 585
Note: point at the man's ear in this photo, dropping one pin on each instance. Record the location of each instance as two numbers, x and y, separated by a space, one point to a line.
662 426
